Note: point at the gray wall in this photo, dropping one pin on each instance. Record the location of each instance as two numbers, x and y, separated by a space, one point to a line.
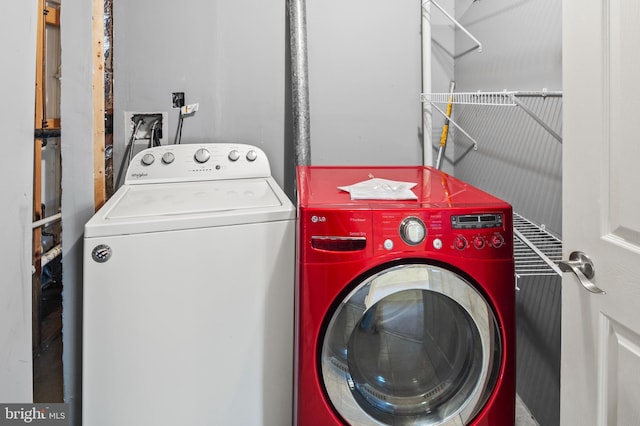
232 58
227 56
364 78
519 161
516 158
16 174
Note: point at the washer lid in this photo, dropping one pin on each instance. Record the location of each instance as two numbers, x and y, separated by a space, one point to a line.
197 197
135 209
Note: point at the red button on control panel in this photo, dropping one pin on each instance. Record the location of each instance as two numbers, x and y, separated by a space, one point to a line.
460 242
497 240
478 242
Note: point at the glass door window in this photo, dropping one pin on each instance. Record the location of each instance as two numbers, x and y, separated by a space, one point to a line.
412 344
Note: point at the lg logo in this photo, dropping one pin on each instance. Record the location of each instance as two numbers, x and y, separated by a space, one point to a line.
316 219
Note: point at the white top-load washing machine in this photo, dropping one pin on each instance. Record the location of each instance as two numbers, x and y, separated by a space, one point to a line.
188 293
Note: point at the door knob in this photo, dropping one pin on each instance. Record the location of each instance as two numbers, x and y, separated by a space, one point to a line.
581 265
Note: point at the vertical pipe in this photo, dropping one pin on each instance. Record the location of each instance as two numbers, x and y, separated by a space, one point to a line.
427 153
299 81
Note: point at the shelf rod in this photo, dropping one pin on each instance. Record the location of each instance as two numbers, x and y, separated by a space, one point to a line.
458 24
542 94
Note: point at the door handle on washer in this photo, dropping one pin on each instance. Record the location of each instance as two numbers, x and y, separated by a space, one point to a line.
581 265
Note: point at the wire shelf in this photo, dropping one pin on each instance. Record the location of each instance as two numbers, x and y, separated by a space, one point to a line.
471 98
536 251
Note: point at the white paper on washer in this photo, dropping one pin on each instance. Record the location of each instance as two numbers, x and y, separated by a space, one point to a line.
381 189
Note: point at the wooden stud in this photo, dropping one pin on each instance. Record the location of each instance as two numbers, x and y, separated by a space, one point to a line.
36 290
52 16
98 104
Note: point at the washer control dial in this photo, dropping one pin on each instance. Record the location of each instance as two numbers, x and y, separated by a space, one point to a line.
168 157
234 155
148 159
412 230
497 240
202 155
252 155
479 242
460 242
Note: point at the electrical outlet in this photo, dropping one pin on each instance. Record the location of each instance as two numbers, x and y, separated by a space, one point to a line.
177 100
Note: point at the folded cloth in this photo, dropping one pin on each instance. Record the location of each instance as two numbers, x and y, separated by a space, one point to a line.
380 189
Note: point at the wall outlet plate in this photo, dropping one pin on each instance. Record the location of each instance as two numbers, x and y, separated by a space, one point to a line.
146 127
177 100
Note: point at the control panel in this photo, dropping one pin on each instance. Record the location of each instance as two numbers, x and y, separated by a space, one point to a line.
197 162
468 235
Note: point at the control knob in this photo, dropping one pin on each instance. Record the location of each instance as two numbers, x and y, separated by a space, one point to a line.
460 242
148 159
234 155
497 240
252 155
168 157
202 155
478 242
412 231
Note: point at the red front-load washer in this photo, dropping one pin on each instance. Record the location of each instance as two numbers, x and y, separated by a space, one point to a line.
406 308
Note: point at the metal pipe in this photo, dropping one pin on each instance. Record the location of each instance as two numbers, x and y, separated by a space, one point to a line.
50 255
46 220
46 133
300 81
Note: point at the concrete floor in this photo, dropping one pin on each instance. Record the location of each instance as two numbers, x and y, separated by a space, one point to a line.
47 363
523 415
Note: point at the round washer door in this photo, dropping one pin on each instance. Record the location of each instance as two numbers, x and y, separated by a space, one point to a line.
413 344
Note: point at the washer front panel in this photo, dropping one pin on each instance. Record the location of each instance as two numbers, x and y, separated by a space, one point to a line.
413 344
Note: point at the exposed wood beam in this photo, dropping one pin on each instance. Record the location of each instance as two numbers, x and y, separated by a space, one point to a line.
52 123
52 16
39 117
98 104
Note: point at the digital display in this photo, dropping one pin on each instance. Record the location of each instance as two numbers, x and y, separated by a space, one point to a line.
476 221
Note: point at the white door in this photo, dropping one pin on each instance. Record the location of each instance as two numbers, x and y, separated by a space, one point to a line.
600 377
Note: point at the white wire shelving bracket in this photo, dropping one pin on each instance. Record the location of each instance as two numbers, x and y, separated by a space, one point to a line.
471 98
504 98
457 24
444 114
536 251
